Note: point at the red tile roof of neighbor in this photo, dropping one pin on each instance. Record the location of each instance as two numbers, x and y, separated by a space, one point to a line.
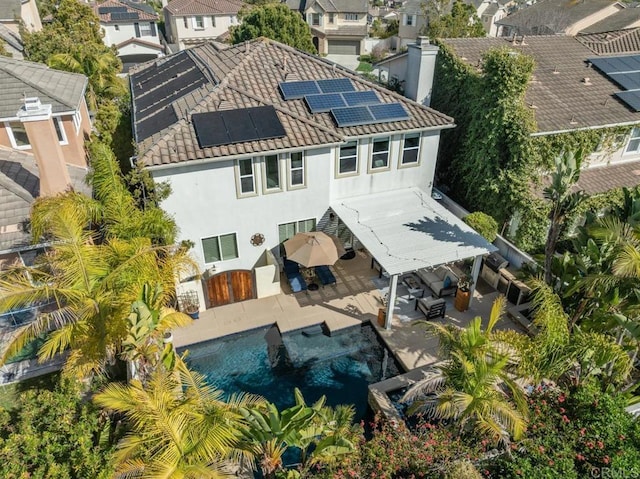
204 7
244 76
145 12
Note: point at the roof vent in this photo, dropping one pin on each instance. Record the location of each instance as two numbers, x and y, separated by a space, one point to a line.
33 110
573 121
555 70
522 43
32 104
586 81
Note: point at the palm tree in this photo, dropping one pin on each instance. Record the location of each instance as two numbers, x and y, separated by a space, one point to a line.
474 385
88 285
180 427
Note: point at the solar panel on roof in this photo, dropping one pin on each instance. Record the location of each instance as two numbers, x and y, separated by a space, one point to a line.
356 98
335 85
121 16
631 98
237 126
628 81
293 90
352 116
388 112
620 64
104 10
324 102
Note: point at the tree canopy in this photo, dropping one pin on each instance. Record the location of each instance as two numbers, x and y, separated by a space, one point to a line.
277 22
461 22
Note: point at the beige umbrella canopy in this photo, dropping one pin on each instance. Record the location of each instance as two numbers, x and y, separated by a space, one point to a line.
313 249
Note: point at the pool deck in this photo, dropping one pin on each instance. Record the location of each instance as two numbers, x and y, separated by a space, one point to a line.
353 300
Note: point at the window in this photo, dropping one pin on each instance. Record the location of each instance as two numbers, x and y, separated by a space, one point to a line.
410 20
272 173
213 22
348 161
380 153
59 126
220 248
410 149
145 29
77 121
634 142
246 177
186 22
198 22
331 18
117 28
17 135
351 17
315 19
296 170
287 230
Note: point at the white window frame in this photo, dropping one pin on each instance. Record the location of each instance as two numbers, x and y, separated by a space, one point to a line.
386 167
58 121
403 150
291 169
410 20
351 17
12 138
195 22
265 184
145 29
633 145
315 16
239 178
339 158
77 121
217 238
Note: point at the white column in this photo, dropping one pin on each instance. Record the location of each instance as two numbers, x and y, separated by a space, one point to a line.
391 301
475 273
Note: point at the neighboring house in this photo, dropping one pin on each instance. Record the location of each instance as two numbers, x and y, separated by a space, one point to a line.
490 13
338 27
250 164
43 125
621 20
132 28
14 13
552 17
191 22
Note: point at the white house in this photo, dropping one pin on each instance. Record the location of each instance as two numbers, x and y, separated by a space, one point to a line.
15 14
132 27
256 149
190 22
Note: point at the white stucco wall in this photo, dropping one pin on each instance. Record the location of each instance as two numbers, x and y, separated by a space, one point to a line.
177 33
204 200
126 31
617 155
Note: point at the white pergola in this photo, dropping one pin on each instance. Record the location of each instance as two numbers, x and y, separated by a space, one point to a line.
406 230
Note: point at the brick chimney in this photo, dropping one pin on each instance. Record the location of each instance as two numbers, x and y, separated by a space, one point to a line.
421 65
38 123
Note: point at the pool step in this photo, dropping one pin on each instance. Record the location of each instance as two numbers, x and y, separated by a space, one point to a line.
313 331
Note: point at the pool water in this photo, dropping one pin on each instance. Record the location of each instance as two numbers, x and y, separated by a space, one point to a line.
264 362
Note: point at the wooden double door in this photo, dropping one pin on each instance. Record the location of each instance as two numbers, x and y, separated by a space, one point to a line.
230 287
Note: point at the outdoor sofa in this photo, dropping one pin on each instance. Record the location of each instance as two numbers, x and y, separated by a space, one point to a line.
431 307
292 272
441 281
325 275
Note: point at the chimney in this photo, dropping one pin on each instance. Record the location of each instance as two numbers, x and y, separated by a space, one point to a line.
45 146
420 68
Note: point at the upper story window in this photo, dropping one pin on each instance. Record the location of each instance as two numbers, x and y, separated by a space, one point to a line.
77 121
351 17
410 20
331 18
186 22
245 177
213 21
348 158
220 248
17 135
316 19
410 149
198 22
634 142
380 153
272 173
297 176
146 29
59 126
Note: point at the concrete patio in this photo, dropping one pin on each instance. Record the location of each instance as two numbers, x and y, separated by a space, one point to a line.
353 300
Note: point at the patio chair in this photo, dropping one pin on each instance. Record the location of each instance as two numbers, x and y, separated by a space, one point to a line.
292 272
431 307
325 275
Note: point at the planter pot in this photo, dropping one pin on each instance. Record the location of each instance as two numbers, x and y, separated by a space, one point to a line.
194 315
462 300
382 316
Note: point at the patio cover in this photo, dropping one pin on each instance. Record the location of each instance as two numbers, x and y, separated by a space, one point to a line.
406 230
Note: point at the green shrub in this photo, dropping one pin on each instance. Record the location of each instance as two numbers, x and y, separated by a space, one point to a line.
483 224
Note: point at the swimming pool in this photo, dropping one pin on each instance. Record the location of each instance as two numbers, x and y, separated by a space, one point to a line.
265 362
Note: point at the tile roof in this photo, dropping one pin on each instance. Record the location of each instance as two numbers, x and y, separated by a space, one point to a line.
554 15
208 79
204 7
19 187
613 43
557 94
625 18
62 90
600 179
340 6
145 12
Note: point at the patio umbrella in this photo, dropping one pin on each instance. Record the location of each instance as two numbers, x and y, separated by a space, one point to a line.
314 249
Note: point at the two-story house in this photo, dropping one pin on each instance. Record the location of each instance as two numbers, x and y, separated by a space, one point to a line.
338 27
190 22
132 28
13 15
44 122
261 141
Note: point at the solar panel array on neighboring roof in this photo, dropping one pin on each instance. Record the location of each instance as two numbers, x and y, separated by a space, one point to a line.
364 115
625 71
236 126
292 90
105 10
121 16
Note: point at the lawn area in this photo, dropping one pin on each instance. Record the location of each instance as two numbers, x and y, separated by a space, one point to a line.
364 67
